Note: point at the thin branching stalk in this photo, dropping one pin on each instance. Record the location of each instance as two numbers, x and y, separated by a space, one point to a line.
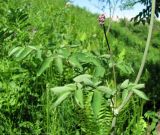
112 15
141 67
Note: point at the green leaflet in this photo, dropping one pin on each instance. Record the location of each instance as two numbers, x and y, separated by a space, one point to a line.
13 51
59 64
82 57
88 58
122 54
77 59
39 54
19 52
24 53
64 52
75 62
124 94
141 94
83 37
109 92
79 97
88 82
77 132
99 71
124 68
125 84
96 102
63 89
139 86
61 98
85 78
46 63
81 78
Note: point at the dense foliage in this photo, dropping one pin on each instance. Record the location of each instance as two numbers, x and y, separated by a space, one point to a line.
55 71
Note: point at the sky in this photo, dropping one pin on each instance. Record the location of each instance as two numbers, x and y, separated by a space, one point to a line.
94 6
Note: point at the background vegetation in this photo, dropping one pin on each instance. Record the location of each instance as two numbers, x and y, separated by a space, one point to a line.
46 44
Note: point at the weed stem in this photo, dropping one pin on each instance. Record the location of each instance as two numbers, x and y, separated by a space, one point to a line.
142 64
114 77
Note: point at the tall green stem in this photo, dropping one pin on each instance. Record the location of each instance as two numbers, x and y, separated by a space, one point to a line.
111 56
113 71
142 64
104 30
47 109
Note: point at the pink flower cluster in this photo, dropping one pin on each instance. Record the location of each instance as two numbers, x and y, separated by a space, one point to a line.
101 19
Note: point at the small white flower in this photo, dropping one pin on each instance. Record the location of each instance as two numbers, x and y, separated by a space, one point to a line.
68 4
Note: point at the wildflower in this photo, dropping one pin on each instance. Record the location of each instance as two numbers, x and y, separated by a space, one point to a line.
68 4
101 19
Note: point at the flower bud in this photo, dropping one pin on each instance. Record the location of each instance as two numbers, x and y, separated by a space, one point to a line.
101 19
